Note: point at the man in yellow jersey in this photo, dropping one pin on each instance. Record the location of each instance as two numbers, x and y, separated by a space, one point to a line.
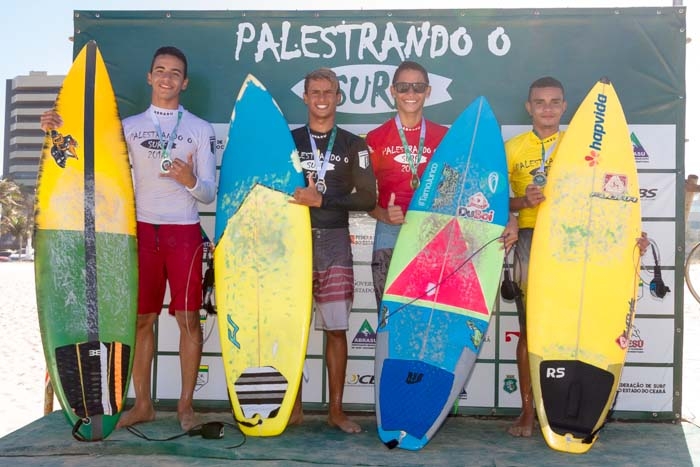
529 156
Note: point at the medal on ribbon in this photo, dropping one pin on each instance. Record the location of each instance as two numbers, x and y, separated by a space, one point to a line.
540 179
166 144
413 160
415 182
321 166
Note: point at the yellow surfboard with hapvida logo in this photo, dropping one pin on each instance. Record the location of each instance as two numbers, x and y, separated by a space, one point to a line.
582 286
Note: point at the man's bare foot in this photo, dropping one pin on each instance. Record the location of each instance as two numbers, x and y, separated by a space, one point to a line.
296 418
523 425
187 419
344 423
137 415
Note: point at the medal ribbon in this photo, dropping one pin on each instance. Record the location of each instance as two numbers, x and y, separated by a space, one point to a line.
413 160
166 147
321 167
545 155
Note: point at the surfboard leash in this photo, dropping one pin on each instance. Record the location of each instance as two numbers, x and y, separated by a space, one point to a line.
510 288
638 260
594 434
385 316
207 286
209 430
656 285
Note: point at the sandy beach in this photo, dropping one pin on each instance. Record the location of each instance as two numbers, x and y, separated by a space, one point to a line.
23 369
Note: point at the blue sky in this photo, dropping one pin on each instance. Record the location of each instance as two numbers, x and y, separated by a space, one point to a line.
36 32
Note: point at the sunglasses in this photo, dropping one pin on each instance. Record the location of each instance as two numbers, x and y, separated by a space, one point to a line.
403 88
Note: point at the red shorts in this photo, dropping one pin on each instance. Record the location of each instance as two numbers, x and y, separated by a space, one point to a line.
172 254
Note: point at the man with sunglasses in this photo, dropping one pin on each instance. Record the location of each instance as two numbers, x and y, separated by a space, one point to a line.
399 150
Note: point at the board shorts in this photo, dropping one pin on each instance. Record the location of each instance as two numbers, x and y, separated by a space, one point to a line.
385 236
169 254
333 279
521 266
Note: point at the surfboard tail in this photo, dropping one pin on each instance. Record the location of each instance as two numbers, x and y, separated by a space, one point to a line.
94 377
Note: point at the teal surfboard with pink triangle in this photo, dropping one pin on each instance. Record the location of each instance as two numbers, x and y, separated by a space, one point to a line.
442 282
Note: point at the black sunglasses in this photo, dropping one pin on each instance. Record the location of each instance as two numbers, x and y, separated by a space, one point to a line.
403 88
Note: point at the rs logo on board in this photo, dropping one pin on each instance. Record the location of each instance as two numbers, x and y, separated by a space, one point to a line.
555 373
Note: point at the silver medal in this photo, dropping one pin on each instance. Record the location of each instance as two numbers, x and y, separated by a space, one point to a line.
321 186
165 165
540 179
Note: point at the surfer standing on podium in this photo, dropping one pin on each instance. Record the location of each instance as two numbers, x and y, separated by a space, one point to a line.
339 180
529 156
174 168
400 149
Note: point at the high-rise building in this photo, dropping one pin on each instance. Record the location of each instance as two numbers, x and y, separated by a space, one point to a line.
26 98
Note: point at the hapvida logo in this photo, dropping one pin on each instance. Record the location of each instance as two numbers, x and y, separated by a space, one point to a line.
599 125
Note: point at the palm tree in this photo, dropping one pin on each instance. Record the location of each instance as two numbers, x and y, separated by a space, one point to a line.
11 196
18 225
15 211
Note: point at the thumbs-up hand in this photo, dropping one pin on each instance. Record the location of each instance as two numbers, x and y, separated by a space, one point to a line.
394 213
309 195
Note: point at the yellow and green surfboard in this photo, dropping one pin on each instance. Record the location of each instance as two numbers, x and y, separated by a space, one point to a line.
85 251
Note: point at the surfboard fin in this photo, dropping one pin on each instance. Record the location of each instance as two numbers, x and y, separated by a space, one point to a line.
392 444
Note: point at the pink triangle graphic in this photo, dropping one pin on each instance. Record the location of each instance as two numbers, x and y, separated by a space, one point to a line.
454 284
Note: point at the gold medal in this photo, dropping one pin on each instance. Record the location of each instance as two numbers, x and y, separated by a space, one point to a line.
415 182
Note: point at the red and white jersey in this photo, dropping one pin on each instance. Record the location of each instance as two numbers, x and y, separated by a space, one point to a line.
390 163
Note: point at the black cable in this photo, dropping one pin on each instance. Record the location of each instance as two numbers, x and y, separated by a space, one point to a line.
209 430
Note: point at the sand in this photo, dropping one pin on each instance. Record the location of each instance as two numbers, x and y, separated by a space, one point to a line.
22 363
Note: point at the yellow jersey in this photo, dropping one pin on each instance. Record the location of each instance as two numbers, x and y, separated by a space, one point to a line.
527 154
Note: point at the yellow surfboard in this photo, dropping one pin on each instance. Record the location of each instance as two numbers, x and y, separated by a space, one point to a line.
85 251
582 286
262 263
